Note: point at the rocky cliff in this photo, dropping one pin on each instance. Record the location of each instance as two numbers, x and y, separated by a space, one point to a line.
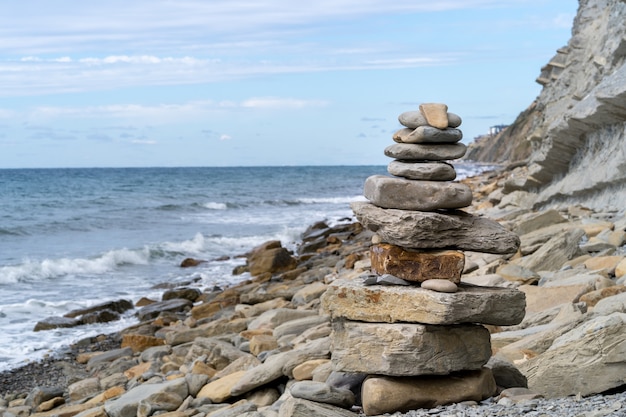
572 138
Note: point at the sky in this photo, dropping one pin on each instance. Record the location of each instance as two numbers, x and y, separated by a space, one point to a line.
159 83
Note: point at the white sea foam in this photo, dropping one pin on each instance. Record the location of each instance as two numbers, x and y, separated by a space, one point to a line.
192 246
211 205
52 268
331 200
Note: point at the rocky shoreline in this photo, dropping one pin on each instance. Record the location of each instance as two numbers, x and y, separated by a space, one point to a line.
262 347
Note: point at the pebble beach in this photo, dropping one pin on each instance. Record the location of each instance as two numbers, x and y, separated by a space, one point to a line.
325 255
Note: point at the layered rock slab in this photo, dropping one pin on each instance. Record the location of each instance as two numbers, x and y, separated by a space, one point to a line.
353 300
586 360
417 266
454 229
403 194
383 394
407 349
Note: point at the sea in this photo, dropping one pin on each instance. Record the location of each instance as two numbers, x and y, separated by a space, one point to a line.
76 237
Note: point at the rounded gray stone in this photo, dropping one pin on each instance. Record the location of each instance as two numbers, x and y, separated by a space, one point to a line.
440 285
425 152
415 118
403 194
323 393
427 134
428 171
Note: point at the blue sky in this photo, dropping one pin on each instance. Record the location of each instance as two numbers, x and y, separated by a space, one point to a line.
264 82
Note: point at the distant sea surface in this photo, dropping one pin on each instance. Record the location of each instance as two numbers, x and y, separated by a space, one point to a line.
72 238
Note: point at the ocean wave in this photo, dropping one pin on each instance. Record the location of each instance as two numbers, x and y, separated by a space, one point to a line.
191 246
331 200
12 232
215 206
31 270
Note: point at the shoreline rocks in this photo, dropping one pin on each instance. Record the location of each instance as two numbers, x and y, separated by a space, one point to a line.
536 352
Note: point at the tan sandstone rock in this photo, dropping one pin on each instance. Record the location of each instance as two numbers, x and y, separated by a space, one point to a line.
436 114
388 304
392 394
305 370
140 342
218 391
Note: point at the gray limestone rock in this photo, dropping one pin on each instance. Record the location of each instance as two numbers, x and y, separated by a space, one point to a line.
453 229
281 364
389 304
298 407
388 279
415 118
403 194
128 403
407 349
427 134
425 152
323 393
555 252
586 360
428 171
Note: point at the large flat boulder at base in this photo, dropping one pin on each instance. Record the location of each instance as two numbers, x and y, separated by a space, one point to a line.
383 394
449 229
587 360
407 349
354 300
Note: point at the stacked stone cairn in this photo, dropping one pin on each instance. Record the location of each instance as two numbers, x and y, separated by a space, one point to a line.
410 326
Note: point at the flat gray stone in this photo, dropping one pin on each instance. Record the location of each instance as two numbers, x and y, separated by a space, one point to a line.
415 118
594 349
407 349
323 393
354 300
388 279
128 403
427 134
299 407
454 229
429 171
554 253
425 152
403 194
281 364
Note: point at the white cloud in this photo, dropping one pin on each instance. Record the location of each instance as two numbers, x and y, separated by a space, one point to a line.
74 46
281 103
225 137
161 113
143 142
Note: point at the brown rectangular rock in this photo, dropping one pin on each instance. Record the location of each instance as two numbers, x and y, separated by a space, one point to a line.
406 349
389 304
417 266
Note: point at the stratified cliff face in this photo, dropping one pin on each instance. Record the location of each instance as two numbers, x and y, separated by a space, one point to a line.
576 128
